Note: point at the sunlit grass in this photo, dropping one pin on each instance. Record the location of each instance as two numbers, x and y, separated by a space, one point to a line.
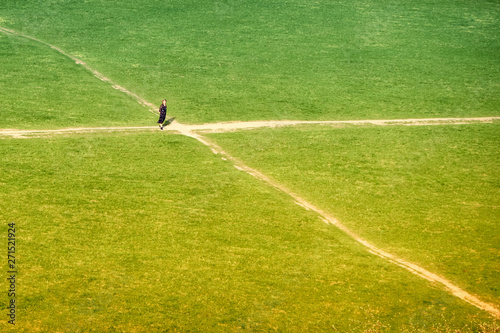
247 60
152 232
429 194
41 88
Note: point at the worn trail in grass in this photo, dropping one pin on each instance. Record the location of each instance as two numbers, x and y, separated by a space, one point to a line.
236 126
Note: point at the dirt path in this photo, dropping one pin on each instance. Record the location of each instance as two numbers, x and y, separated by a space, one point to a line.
191 131
239 125
25 134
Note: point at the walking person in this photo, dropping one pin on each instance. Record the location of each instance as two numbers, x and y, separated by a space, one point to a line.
163 113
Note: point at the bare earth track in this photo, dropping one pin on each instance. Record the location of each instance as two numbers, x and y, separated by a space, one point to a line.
194 132
248 125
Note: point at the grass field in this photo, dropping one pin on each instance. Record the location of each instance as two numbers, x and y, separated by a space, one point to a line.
44 89
114 235
149 231
296 59
432 198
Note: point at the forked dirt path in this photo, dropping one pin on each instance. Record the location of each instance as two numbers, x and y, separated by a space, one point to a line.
248 125
192 131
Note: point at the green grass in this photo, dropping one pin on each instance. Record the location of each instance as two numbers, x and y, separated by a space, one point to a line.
43 89
428 194
152 232
297 59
